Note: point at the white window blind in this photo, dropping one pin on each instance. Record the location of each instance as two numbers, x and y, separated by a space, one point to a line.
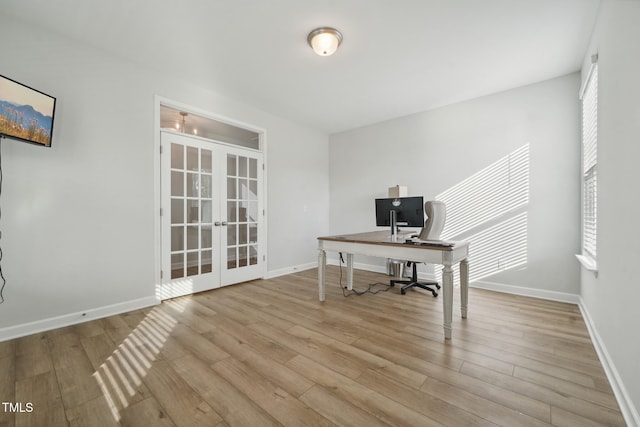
590 163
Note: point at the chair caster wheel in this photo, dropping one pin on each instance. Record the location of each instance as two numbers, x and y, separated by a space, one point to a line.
403 291
435 294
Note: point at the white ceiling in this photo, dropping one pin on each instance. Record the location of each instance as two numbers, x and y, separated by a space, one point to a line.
397 57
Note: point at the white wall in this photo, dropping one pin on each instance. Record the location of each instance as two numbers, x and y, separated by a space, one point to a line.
298 204
78 219
611 298
432 151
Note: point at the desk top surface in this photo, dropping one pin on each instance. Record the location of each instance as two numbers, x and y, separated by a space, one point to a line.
384 238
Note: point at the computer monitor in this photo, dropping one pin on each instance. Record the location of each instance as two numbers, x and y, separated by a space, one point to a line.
409 211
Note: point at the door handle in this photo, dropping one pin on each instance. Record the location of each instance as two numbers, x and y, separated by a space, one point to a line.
219 223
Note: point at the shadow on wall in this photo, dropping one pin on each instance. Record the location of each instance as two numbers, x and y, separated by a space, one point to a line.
489 209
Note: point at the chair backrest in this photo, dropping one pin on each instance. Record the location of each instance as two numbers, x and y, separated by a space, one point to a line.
436 214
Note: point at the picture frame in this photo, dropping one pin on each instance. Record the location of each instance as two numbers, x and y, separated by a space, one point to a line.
26 114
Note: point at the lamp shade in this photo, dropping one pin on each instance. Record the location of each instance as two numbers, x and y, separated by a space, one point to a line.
324 41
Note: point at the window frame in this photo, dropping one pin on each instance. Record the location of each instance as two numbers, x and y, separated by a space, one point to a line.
589 169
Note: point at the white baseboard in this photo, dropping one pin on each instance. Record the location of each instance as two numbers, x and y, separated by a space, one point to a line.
629 411
491 286
377 269
30 328
48 324
627 407
289 270
527 292
368 267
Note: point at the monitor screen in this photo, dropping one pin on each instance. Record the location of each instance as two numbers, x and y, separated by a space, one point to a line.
409 211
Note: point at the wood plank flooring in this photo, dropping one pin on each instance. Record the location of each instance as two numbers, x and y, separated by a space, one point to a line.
267 353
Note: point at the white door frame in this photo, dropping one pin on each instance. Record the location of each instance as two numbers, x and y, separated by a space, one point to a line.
157 172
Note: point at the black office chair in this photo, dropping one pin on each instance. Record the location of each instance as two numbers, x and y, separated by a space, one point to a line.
433 226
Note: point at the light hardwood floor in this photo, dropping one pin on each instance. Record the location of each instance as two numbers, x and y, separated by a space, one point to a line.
268 353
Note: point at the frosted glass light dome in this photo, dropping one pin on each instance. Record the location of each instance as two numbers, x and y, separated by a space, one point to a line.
324 41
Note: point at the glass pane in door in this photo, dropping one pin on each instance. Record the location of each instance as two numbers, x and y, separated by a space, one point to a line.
191 211
242 211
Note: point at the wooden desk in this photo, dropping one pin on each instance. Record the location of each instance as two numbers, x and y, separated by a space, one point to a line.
380 244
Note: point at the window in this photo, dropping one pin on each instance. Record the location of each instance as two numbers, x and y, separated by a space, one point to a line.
590 168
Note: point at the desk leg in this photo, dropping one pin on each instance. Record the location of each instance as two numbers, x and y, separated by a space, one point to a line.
322 265
464 287
349 271
447 299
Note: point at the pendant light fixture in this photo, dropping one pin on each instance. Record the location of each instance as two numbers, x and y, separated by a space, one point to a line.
184 125
325 40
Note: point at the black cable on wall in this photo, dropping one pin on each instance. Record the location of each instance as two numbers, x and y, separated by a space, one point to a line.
2 279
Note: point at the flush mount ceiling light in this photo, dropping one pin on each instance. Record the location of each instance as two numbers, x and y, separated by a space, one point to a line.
325 40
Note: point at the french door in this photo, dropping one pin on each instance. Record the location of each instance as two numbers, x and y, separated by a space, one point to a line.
212 215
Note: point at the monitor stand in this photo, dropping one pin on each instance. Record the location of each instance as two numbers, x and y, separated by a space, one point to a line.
394 226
